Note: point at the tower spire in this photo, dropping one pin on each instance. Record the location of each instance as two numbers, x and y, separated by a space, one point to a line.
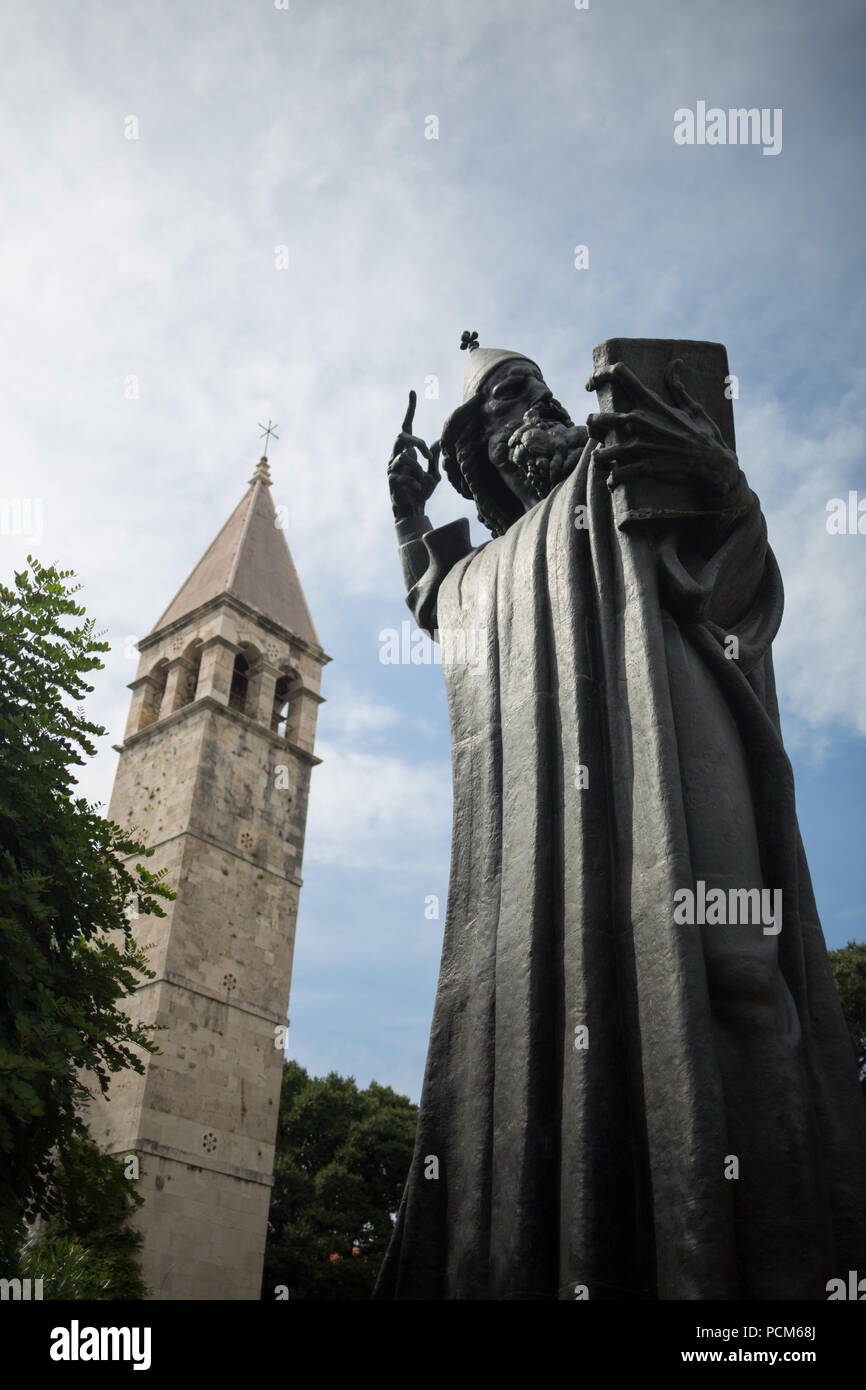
249 560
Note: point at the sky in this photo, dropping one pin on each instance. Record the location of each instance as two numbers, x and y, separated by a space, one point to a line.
225 214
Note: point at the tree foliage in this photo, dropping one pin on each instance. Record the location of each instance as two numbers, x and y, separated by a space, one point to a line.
67 955
848 964
86 1249
341 1163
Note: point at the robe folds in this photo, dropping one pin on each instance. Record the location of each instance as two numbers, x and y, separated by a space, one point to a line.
621 1106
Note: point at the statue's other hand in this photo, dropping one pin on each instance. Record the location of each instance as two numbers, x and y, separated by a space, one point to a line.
677 443
409 481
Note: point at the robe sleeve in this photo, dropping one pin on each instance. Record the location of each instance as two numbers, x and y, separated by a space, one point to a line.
427 556
727 580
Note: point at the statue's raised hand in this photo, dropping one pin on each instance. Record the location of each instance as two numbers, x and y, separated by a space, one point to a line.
675 443
410 482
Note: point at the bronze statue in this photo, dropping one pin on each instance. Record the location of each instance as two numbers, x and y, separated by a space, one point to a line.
621 1100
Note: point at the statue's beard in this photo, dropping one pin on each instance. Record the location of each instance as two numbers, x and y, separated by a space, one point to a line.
544 448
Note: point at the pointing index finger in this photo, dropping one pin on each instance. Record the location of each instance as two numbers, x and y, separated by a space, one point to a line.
410 414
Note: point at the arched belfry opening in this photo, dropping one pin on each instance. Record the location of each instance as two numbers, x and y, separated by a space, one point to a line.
286 708
240 684
152 703
192 666
282 706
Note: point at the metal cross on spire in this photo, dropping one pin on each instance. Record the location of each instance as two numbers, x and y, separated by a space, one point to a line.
267 430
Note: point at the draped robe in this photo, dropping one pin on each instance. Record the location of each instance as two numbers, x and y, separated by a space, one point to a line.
594 1067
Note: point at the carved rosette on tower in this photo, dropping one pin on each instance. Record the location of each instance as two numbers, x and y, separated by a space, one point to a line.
214 775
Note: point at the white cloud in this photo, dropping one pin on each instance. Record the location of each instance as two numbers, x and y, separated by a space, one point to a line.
350 715
820 652
375 812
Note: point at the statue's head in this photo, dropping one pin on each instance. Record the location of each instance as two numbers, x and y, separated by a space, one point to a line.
510 442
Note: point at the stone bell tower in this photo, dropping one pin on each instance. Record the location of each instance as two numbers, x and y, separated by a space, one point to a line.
214 774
